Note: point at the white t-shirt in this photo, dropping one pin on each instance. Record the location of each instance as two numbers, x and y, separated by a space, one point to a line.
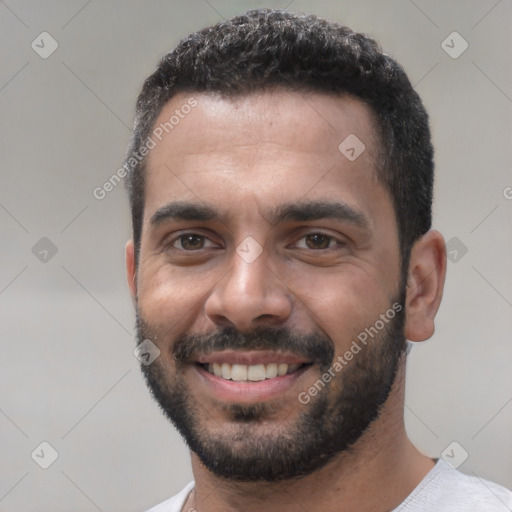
443 489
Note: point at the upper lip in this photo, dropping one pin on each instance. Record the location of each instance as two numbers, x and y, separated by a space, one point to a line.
249 357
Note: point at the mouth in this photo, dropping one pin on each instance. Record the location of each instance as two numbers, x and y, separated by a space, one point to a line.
248 377
253 372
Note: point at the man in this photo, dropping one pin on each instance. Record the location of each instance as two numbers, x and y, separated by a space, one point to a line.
280 180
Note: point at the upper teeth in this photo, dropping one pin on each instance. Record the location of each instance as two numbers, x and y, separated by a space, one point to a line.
253 372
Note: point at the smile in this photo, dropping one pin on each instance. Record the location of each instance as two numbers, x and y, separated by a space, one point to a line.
254 373
236 376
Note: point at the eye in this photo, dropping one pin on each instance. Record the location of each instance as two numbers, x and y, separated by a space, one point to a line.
317 241
190 242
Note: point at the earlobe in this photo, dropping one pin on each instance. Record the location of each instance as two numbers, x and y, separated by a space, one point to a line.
425 283
131 271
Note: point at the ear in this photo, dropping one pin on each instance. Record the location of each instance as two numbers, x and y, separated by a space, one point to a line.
425 283
131 271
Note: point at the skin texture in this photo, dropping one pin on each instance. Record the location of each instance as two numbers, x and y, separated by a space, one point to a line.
245 157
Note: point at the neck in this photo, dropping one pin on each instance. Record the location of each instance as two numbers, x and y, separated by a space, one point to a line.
378 472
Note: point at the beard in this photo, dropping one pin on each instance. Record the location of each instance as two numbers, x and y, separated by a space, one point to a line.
244 448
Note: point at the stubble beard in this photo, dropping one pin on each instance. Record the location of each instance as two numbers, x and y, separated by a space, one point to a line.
255 443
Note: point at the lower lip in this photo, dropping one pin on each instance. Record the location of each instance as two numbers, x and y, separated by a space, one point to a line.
249 391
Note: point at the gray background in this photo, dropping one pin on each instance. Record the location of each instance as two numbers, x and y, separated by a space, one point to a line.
67 372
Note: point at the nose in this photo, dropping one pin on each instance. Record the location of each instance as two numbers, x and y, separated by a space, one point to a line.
250 295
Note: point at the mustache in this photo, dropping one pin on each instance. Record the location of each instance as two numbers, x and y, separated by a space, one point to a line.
314 347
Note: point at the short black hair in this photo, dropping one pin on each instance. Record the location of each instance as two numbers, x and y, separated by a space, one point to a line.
267 48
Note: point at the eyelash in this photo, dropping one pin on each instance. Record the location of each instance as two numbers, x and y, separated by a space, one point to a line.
338 243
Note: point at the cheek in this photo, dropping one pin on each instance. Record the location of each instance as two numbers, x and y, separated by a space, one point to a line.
167 299
343 302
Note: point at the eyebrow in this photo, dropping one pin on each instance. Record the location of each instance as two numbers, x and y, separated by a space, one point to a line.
316 210
180 210
300 211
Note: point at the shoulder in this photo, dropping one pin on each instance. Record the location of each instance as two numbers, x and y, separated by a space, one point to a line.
445 489
174 504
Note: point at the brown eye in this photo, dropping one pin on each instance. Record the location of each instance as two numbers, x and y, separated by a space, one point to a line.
318 241
190 242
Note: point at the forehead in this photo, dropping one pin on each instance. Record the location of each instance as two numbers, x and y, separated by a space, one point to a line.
265 146
312 121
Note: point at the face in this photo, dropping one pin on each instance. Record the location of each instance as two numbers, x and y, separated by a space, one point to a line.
268 278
